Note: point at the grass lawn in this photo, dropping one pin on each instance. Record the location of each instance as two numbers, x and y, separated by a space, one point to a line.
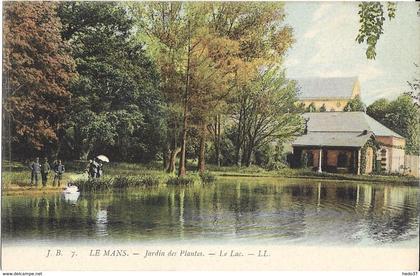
17 176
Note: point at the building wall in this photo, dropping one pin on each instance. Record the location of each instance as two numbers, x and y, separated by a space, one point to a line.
412 163
396 158
315 154
332 157
333 104
369 160
391 141
395 153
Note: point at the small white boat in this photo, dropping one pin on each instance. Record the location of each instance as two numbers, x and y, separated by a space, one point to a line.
71 194
71 189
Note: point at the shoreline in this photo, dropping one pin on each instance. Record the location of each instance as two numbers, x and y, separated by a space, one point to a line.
26 190
19 190
413 183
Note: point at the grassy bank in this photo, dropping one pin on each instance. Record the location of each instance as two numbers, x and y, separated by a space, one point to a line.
16 176
254 171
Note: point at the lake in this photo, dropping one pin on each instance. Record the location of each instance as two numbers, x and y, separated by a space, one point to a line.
232 210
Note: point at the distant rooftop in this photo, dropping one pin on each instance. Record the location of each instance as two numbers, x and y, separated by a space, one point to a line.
326 88
341 129
346 122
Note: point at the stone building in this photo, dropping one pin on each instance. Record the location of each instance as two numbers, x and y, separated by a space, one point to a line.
349 142
333 93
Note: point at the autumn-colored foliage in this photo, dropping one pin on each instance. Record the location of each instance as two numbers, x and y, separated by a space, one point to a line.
37 68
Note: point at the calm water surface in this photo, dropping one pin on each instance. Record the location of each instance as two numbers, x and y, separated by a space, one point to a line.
232 210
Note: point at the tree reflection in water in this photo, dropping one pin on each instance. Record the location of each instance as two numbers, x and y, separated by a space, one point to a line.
231 210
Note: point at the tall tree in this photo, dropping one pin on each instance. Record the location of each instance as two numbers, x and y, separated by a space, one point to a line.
414 91
37 69
165 33
270 113
116 103
402 116
217 64
192 61
202 47
263 39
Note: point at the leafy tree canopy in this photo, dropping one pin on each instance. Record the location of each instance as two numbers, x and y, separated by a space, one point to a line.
402 116
116 98
37 70
355 104
372 18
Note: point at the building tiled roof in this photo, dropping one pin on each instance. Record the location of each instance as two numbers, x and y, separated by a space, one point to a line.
346 129
326 88
333 139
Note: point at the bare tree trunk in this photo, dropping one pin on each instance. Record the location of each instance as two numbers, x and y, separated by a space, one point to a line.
248 157
172 160
217 131
239 140
166 155
182 169
84 154
202 157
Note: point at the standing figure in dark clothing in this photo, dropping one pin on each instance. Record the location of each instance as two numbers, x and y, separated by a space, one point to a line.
91 169
45 170
99 169
35 171
59 171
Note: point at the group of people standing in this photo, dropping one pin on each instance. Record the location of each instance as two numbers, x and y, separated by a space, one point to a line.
40 171
94 168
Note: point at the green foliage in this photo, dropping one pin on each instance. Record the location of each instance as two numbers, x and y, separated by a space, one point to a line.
389 179
414 85
311 108
119 182
323 108
355 104
271 156
207 177
402 116
363 154
116 104
268 113
372 17
37 69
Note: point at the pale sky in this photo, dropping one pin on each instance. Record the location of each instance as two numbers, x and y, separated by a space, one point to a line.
326 47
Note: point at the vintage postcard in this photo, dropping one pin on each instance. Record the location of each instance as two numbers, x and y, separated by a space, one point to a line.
210 136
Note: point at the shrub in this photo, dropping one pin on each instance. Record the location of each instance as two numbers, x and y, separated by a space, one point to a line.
276 165
119 182
207 177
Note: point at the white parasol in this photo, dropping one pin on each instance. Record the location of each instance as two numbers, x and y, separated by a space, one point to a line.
103 158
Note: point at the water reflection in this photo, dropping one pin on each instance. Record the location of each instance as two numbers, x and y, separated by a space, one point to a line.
101 222
71 197
231 210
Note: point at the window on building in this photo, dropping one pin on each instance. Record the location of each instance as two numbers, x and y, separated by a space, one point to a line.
342 160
